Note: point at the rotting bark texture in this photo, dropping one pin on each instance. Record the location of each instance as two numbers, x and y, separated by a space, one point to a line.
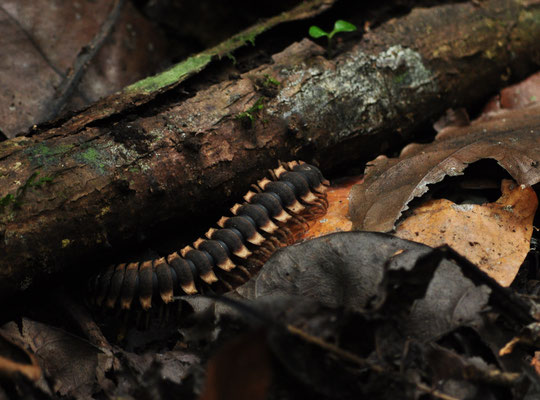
105 179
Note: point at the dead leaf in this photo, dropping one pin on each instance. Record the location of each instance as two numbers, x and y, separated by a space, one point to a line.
336 218
495 236
347 269
40 42
152 375
519 95
72 363
15 359
512 139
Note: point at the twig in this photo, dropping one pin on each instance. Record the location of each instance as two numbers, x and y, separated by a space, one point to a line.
434 392
344 354
86 54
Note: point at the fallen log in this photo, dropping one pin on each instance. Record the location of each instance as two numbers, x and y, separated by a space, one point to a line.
99 177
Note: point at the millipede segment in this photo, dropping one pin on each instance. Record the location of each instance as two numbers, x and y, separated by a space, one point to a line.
272 216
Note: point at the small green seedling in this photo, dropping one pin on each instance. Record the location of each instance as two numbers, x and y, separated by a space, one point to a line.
339 26
270 81
248 117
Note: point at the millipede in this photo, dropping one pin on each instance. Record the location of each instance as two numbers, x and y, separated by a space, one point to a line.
275 211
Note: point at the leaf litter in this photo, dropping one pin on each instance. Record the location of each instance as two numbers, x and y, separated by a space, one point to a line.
399 306
495 236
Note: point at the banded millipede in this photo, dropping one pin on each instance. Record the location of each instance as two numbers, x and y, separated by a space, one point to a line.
270 217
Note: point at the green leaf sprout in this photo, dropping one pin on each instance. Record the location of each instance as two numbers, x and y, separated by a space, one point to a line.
316 32
339 26
248 117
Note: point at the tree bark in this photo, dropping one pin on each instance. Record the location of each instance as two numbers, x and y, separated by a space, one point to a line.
87 181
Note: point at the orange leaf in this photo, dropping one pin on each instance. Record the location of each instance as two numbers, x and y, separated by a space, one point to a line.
494 236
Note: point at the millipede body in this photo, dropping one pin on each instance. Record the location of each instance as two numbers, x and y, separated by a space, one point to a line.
272 215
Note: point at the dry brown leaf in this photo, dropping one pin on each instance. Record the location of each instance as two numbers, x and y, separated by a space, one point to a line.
511 138
72 362
15 359
336 218
519 95
493 236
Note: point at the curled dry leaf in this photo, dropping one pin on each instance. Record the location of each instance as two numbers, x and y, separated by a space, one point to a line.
511 138
495 236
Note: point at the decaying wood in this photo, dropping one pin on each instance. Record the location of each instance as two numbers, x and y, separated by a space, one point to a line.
100 180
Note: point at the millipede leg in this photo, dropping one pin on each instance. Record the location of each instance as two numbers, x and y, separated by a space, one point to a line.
323 202
324 199
227 284
316 212
273 175
245 271
268 247
262 251
285 234
301 223
288 236
277 243
256 262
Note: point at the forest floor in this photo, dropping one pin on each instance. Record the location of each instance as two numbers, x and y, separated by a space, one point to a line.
304 199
